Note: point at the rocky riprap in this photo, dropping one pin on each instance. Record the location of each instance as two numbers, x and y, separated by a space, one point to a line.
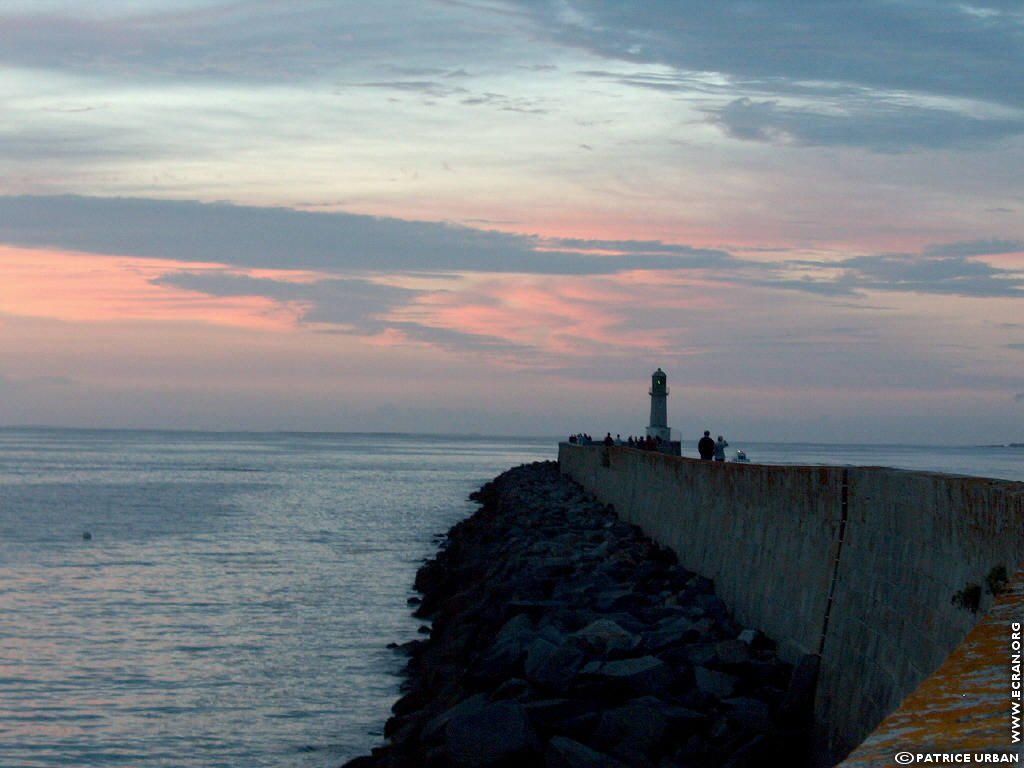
562 637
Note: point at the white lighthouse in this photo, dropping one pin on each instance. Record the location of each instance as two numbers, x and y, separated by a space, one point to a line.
659 407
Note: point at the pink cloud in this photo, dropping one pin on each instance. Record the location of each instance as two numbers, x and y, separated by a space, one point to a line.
563 316
78 287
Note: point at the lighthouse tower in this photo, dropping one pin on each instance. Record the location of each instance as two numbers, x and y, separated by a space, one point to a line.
659 407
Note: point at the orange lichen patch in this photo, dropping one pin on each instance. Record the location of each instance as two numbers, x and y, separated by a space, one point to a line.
966 705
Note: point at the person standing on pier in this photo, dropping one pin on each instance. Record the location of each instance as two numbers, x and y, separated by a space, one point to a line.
706 446
720 448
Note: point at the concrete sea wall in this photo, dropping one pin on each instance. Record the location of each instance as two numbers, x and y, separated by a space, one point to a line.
876 574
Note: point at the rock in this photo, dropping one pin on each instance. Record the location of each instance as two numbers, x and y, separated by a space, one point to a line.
732 652
365 761
549 715
532 608
552 666
712 605
770 673
694 752
580 728
604 635
627 621
646 674
557 566
503 657
749 636
609 599
412 701
719 684
683 720
496 734
434 728
642 726
700 654
751 713
516 632
750 755
673 631
550 631
563 752
513 688
700 585
798 704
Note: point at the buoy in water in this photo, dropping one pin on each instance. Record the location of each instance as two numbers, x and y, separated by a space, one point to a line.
86 535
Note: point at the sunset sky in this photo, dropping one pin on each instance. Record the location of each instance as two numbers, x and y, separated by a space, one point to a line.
501 217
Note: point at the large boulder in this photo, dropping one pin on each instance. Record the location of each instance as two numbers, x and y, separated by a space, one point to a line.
670 632
563 752
722 685
640 726
434 728
496 734
605 636
552 667
730 653
637 676
503 658
754 714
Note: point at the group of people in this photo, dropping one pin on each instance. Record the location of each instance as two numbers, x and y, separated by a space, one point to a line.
642 443
708 448
711 449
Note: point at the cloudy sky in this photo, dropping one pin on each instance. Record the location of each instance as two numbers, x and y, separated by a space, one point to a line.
501 216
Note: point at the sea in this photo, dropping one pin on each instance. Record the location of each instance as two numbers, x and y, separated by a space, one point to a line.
196 599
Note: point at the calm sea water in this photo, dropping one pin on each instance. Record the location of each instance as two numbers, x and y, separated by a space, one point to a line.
234 601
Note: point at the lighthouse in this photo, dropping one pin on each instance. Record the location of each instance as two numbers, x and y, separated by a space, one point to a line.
659 407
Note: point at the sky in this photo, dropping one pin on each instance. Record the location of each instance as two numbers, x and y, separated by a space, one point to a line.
501 217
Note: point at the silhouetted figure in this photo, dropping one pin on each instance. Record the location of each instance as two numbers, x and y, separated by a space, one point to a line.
720 448
706 446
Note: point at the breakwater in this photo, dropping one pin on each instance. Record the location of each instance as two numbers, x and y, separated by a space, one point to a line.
874 574
562 637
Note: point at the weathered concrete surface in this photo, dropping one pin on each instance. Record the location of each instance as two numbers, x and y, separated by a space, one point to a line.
967 705
914 540
858 565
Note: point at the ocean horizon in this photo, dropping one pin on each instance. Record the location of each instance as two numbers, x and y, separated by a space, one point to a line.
473 435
